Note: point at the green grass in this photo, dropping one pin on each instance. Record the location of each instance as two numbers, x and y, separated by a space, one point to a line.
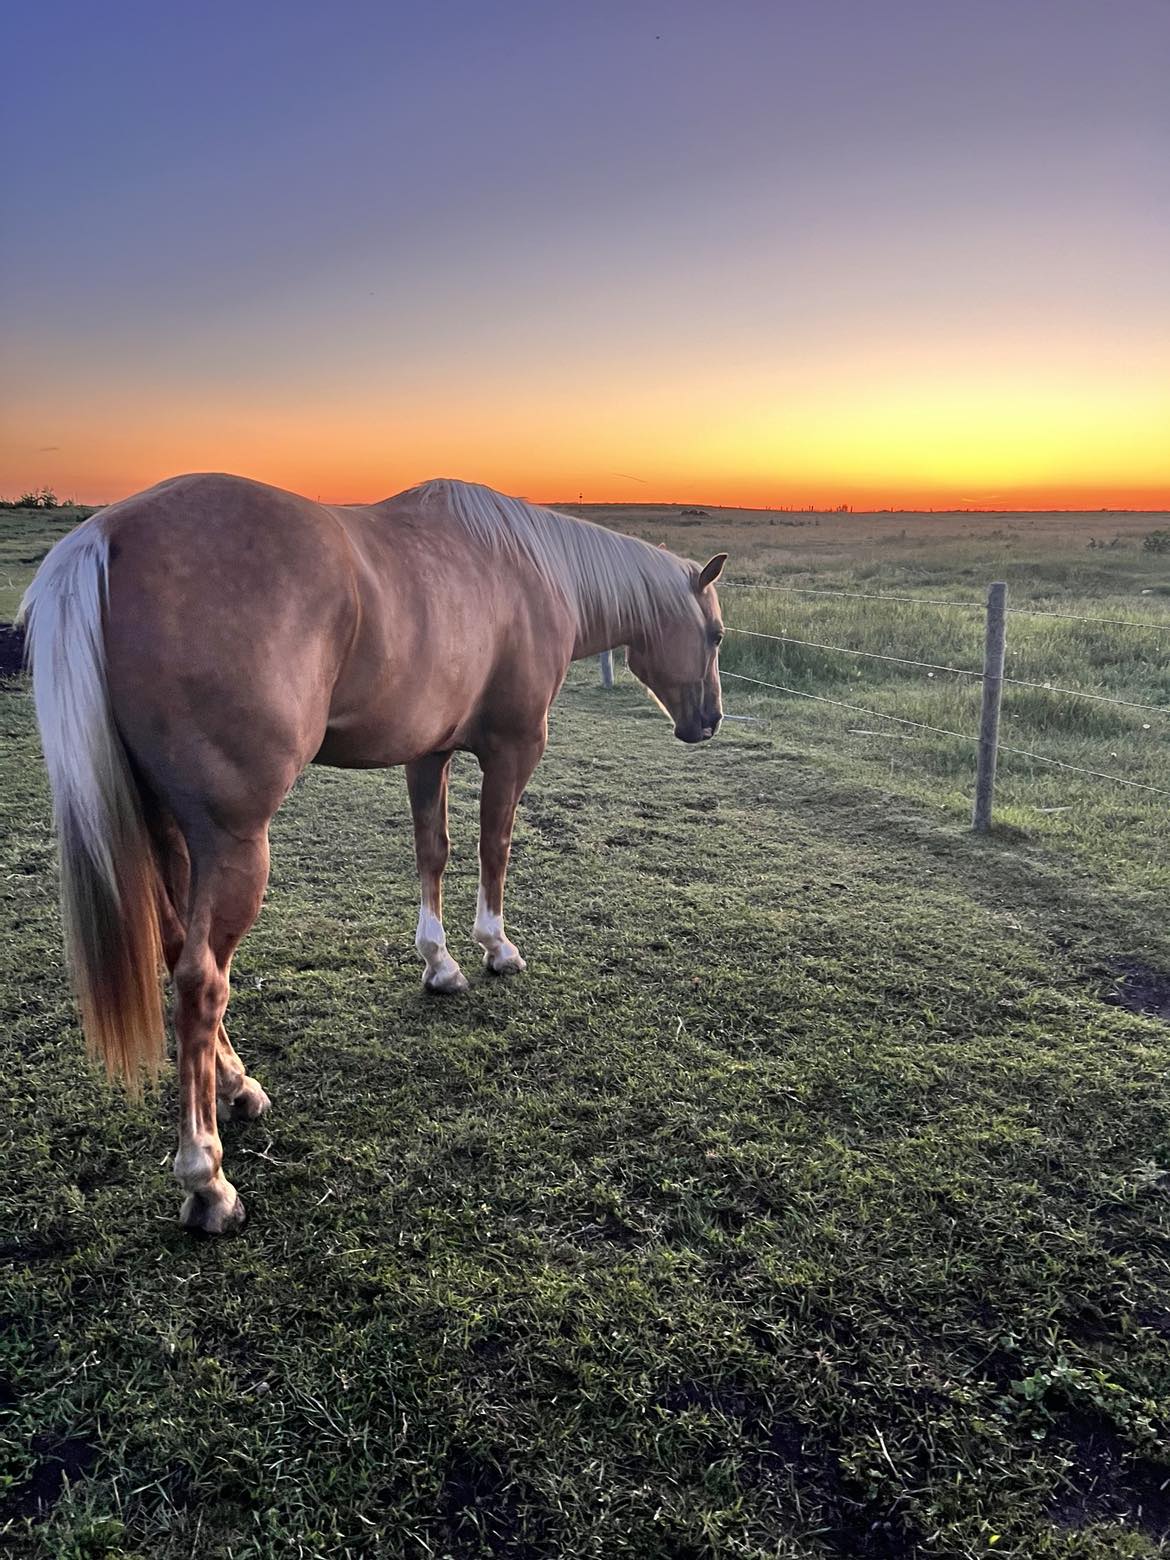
806 1198
1083 565
25 537
1115 830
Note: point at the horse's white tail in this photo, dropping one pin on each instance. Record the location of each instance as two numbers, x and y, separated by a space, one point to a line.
108 870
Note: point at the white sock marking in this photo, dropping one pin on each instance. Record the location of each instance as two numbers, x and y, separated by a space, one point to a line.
431 942
488 932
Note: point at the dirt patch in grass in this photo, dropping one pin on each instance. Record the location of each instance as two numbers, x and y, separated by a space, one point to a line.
609 1229
11 650
780 1453
852 1525
1104 1483
1139 988
42 1249
69 1457
482 1508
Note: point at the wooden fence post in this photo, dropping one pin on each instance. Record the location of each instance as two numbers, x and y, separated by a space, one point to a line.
993 651
606 660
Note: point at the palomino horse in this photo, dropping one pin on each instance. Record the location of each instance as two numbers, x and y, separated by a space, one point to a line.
194 647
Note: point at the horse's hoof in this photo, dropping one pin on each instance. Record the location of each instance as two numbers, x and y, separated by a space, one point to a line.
249 1103
445 983
216 1211
509 963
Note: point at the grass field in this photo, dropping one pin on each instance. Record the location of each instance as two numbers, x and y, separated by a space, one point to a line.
808 1197
1116 833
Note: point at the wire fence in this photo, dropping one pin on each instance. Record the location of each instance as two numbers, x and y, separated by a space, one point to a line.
957 671
946 731
942 601
991 676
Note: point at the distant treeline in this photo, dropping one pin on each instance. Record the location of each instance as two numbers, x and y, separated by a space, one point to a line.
45 498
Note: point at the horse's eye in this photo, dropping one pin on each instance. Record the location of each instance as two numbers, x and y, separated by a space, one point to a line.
716 636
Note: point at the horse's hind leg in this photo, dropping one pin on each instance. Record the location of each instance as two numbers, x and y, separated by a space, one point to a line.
228 878
237 1093
426 781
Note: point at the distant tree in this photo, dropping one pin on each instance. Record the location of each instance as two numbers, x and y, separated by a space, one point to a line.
43 498
1156 541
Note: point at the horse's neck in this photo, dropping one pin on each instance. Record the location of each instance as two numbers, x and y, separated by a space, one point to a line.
618 616
597 635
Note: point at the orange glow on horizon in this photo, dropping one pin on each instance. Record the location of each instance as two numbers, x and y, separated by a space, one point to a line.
346 473
996 432
368 483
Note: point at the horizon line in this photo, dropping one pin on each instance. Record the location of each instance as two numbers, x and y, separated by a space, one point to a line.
10 504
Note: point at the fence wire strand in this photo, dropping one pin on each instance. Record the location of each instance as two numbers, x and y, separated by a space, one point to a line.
957 671
938 601
812 644
945 731
853 595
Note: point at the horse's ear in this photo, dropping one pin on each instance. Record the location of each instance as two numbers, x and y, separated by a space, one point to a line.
710 572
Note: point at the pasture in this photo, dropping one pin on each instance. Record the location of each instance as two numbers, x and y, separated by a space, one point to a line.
806 1200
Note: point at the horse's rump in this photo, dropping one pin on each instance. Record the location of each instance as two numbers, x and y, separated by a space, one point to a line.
231 611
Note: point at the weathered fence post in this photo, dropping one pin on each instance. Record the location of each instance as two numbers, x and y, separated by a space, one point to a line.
606 660
993 649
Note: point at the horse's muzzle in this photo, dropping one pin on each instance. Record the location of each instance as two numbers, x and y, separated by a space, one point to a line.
701 729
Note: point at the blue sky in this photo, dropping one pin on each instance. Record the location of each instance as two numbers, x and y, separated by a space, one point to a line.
537 241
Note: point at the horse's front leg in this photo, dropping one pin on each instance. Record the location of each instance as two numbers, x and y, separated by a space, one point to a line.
426 781
507 768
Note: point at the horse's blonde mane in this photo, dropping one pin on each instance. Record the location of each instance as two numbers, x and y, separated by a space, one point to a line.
601 573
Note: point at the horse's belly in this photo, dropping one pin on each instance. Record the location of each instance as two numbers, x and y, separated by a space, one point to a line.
359 742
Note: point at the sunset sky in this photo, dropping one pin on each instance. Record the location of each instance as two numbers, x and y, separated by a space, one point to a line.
879 252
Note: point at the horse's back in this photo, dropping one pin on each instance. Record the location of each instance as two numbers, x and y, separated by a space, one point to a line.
213 521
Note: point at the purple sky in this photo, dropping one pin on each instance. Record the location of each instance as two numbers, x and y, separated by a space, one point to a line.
531 240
